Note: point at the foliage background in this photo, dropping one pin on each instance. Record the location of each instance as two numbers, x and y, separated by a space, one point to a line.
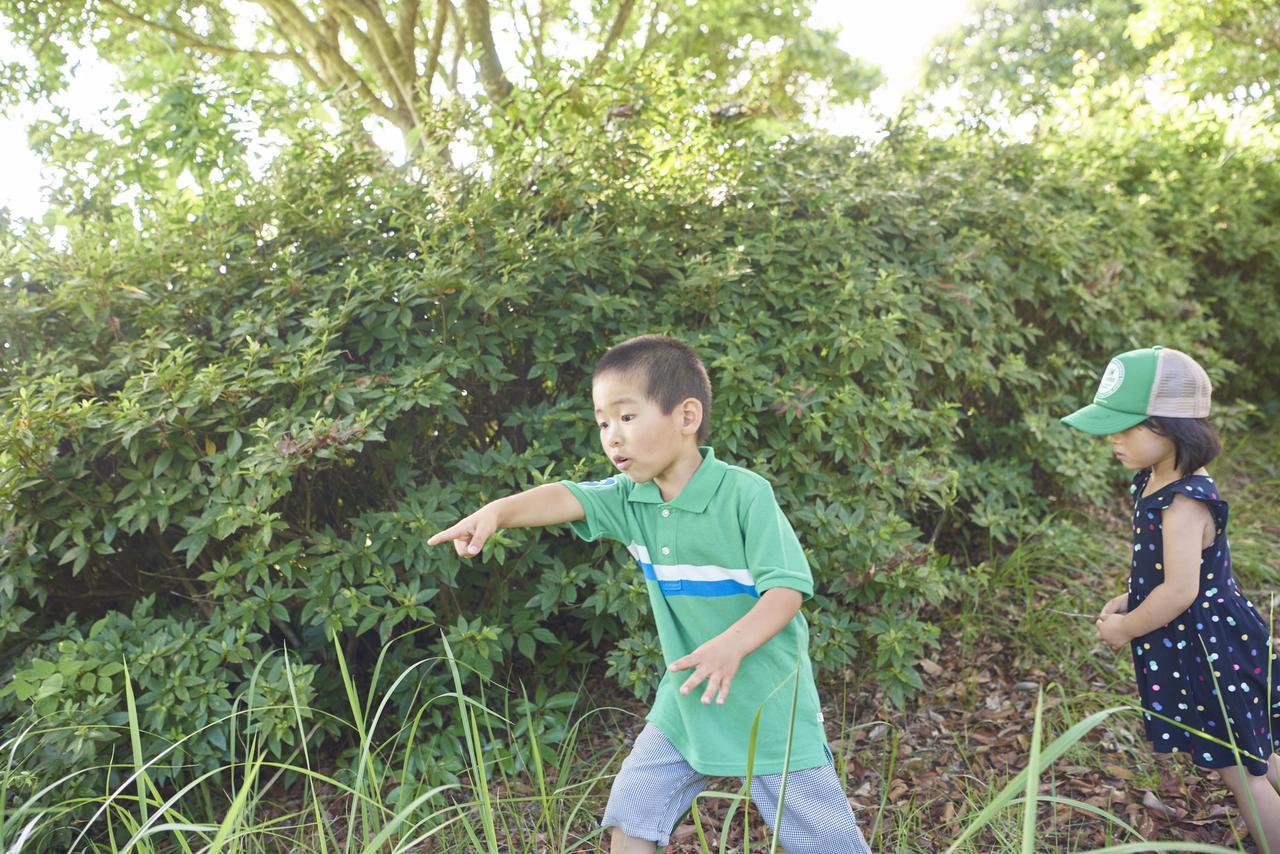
236 405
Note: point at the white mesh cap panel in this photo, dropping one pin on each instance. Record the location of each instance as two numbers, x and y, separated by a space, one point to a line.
1181 389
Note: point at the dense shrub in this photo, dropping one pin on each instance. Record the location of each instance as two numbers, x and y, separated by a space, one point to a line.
230 424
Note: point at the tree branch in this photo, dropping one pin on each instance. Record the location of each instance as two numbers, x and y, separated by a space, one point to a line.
193 40
535 31
615 32
459 44
399 58
381 67
480 34
410 13
291 20
437 39
593 67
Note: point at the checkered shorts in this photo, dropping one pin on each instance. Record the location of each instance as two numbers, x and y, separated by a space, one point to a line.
656 786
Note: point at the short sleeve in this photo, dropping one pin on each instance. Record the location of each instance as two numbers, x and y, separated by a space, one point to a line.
604 505
1199 489
774 555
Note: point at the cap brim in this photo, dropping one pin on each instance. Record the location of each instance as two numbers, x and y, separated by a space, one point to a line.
1101 421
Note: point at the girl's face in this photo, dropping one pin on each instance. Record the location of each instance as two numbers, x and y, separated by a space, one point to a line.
1141 448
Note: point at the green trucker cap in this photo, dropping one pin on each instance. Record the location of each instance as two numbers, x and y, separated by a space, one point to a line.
1140 383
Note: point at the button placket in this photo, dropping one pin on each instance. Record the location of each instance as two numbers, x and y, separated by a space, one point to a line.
666 537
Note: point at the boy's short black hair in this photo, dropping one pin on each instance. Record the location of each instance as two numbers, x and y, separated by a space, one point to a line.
672 373
1195 442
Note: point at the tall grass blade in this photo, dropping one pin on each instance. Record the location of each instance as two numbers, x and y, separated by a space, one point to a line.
1033 781
390 828
1083 806
237 808
322 826
786 759
1147 847
479 777
135 740
357 719
1056 748
539 775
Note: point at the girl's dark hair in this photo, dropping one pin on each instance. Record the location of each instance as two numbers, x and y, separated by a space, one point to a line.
1195 442
671 372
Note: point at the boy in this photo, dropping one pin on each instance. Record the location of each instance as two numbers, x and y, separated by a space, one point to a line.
726 577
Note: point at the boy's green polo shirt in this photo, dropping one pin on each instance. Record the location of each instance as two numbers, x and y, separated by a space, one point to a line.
707 556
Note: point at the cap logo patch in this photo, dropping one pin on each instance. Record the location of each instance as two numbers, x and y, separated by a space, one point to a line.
1111 378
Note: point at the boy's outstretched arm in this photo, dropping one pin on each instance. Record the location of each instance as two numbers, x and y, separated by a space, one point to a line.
717 660
548 504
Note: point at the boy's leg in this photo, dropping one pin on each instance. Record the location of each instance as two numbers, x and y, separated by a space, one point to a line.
652 791
816 816
620 843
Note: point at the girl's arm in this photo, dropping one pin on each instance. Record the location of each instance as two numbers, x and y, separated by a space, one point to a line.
1184 524
548 504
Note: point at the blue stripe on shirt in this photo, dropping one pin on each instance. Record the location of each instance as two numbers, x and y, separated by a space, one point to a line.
687 587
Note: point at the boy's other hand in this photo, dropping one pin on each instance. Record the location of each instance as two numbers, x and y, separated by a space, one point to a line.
715 662
469 535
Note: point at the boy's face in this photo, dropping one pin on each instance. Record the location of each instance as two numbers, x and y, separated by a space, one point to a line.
636 435
1140 447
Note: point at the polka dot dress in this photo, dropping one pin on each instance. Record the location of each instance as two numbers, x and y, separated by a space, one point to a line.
1221 638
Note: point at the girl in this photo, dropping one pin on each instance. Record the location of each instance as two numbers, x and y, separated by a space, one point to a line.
1199 646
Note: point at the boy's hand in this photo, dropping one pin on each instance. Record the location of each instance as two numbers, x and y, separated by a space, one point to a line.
715 662
470 534
1111 630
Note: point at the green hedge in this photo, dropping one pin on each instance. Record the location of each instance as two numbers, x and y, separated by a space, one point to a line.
230 424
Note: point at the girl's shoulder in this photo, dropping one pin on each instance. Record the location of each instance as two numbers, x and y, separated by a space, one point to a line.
1199 486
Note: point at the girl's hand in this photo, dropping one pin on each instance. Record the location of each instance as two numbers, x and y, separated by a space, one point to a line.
468 536
1118 605
1112 632
716 661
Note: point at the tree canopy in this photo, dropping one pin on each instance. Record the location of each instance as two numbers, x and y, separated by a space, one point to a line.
1015 56
410 62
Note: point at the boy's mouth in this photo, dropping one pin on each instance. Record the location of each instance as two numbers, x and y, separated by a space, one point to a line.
623 463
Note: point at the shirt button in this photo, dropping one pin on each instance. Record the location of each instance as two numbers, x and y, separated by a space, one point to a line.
666 512
666 551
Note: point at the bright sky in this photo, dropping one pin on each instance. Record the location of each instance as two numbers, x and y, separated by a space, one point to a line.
894 35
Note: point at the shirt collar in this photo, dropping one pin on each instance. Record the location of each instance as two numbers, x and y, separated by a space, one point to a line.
696 494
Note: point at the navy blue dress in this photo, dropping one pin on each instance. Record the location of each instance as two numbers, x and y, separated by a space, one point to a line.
1176 674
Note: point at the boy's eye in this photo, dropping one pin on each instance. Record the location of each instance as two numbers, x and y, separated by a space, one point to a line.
627 417
603 424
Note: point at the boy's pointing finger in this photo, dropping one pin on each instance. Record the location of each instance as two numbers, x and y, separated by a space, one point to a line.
447 534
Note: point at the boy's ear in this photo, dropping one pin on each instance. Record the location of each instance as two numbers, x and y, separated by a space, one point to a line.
690 416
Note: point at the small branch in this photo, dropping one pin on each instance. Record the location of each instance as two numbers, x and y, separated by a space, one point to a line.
327 49
287 630
535 31
399 62
593 67
193 40
376 58
410 17
653 34
460 43
181 576
437 39
615 32
480 34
